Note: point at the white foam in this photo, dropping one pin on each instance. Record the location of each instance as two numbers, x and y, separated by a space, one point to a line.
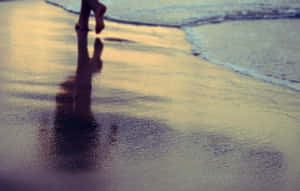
199 48
190 12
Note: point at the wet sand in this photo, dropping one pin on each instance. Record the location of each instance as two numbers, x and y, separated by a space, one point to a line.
147 116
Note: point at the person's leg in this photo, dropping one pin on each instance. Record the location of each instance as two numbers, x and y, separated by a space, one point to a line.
83 22
99 9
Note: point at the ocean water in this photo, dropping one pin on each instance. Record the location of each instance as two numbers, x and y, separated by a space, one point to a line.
263 49
257 38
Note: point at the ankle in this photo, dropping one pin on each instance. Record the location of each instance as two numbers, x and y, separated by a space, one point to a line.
101 9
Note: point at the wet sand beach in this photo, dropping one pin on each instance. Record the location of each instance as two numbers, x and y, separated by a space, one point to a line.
133 109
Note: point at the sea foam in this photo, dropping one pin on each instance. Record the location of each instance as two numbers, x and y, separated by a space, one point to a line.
262 49
178 13
266 50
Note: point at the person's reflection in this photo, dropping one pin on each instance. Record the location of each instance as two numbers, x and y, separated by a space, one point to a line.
76 132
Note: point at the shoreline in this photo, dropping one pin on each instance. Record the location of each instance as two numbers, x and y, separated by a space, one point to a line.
213 20
164 117
256 75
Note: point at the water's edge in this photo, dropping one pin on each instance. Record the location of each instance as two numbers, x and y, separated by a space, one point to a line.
294 85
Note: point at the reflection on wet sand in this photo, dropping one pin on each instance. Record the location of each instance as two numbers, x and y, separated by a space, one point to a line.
145 149
43 146
76 131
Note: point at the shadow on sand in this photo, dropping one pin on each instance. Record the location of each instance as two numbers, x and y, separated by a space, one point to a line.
75 129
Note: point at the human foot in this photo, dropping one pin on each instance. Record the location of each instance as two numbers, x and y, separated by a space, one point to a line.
99 13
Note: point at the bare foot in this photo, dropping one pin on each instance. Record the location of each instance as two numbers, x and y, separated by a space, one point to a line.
99 13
